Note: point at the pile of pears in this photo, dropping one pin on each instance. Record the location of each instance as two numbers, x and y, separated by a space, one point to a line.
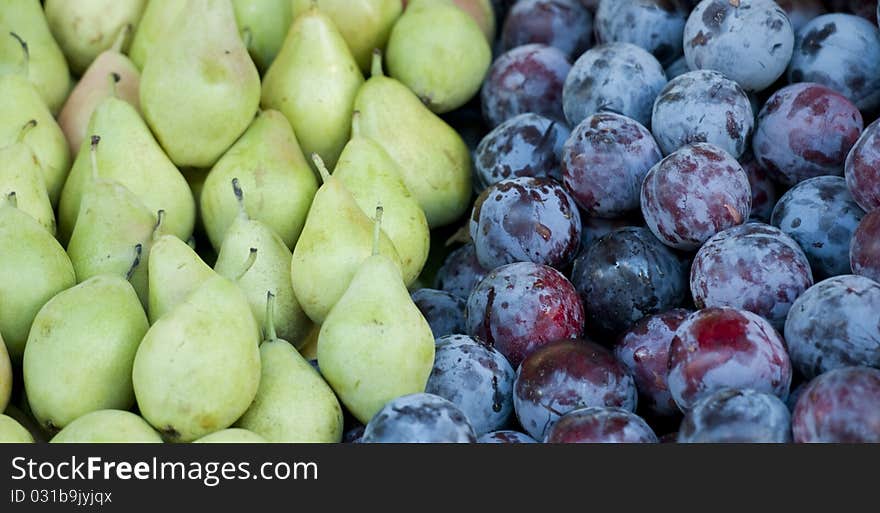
200 198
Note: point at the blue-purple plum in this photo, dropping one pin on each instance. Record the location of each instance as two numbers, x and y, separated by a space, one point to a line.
599 425
840 406
419 418
737 416
443 310
655 25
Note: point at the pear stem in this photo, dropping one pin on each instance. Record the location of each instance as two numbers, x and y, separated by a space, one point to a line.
138 250
355 124
93 155
377 229
27 54
121 37
252 257
269 328
239 196
319 163
247 37
114 79
160 219
12 198
376 66
25 129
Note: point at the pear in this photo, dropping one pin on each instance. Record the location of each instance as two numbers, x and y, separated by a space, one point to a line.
309 349
374 344
114 229
270 166
231 436
26 420
156 18
129 155
257 259
373 177
293 404
20 172
483 13
11 432
110 74
86 28
263 25
5 376
199 87
175 271
439 52
46 67
364 24
313 82
81 349
107 427
33 268
19 104
198 367
335 240
435 161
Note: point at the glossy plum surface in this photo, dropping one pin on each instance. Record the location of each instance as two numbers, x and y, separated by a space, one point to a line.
419 418
865 247
563 24
737 416
862 168
598 425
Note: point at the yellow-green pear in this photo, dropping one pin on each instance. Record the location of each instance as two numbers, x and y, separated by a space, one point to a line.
374 344
11 432
256 258
154 23
175 271
293 404
198 367
26 420
439 52
46 66
313 82
373 178
5 376
269 165
33 268
81 349
232 436
20 172
129 155
435 161
365 24
19 104
108 427
263 25
110 74
199 87
85 28
336 239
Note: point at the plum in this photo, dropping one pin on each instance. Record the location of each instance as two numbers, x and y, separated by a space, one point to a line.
520 307
862 168
460 272
476 378
655 25
567 375
834 324
562 24
594 228
419 418
598 425
805 130
737 416
677 68
605 161
801 11
865 248
764 195
717 348
506 437
443 311
839 406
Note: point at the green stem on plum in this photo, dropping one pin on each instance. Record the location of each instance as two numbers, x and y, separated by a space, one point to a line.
377 229
25 129
269 328
138 250
319 163
252 257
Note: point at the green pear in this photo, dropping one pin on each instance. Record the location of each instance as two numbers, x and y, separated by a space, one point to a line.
293 404
439 52
26 420
175 271
263 25
107 427
198 367
313 82
81 349
231 436
269 165
156 18
483 13
46 66
335 240
20 172
257 259
11 432
86 28
33 268
129 155
5 376
113 233
110 74
435 161
199 87
373 178
374 344
19 104
365 24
